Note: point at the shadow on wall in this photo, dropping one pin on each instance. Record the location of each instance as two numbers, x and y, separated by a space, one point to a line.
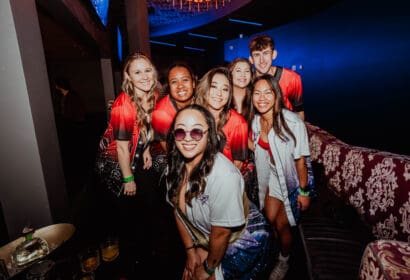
4 238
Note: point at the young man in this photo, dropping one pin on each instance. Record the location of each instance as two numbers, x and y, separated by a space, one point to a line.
262 53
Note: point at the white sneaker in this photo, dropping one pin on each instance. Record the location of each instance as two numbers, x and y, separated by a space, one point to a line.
279 271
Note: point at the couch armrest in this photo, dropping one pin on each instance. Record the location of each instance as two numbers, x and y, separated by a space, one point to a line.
386 259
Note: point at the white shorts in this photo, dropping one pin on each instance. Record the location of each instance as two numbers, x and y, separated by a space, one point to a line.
274 186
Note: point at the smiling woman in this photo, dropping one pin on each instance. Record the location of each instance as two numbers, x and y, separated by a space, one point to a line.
214 92
126 144
224 234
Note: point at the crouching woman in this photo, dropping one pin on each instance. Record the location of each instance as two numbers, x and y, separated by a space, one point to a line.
225 235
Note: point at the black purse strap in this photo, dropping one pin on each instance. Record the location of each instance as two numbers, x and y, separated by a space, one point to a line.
278 73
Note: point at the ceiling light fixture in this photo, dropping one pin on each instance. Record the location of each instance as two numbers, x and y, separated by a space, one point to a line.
200 4
202 36
245 22
162 43
194 49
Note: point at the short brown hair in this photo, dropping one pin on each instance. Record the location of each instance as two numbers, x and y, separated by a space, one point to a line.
260 42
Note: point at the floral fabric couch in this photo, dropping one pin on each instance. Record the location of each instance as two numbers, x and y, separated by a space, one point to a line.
385 260
377 185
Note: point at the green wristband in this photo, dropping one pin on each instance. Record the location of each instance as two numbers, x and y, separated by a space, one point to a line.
303 192
207 269
128 179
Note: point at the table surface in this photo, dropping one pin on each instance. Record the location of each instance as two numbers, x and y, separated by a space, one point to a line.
55 235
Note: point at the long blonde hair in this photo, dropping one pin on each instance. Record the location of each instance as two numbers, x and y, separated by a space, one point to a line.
143 116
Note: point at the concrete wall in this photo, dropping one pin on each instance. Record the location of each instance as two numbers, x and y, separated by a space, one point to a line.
31 178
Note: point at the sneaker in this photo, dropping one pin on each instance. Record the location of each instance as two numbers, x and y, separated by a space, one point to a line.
279 271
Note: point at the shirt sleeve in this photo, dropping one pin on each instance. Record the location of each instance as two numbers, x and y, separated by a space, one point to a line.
296 94
161 122
123 116
302 140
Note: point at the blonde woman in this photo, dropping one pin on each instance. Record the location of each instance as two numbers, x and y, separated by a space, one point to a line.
126 141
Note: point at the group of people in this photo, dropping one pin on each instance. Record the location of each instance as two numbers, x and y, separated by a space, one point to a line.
232 150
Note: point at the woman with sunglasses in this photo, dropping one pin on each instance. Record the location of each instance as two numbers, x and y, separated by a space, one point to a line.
214 92
207 193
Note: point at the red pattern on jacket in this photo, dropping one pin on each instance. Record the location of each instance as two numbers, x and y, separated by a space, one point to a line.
122 126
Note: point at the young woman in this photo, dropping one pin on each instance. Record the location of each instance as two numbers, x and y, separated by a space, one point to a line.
241 72
207 192
130 121
214 92
126 140
181 86
281 146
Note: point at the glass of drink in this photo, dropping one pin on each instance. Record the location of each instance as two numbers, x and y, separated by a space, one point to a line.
89 259
109 249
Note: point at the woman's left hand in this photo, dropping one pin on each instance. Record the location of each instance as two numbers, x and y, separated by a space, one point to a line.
303 202
146 156
200 272
130 188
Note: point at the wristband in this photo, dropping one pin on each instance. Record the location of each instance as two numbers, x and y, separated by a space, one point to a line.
191 247
208 270
303 192
128 179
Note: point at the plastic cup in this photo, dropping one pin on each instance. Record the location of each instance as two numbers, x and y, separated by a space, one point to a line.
109 249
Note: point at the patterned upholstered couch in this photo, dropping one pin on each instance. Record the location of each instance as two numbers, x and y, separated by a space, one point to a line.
377 185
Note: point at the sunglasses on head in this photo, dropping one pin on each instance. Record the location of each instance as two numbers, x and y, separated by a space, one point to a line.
196 134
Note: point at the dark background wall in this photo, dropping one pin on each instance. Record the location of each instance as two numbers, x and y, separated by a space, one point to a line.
354 60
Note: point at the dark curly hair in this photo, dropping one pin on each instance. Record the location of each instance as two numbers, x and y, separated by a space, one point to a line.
176 161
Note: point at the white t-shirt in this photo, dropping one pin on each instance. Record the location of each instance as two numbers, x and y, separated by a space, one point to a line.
221 204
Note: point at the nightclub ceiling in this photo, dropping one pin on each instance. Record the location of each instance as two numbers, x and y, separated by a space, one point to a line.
169 17
236 18
203 27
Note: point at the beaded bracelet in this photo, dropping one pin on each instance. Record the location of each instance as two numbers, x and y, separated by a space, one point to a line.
191 247
128 179
303 192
